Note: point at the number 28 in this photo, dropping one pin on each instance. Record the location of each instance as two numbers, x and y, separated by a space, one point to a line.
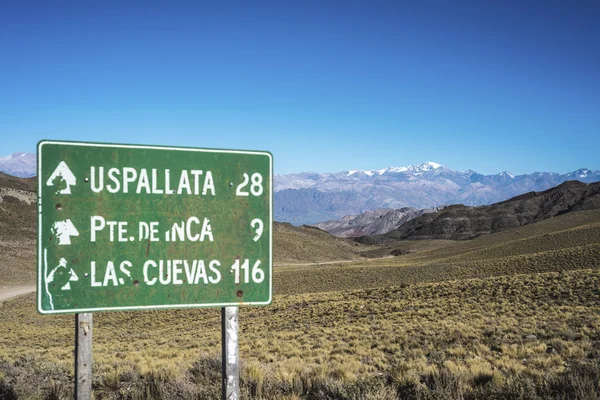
256 187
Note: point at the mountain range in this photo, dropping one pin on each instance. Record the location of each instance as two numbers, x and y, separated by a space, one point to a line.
309 198
459 222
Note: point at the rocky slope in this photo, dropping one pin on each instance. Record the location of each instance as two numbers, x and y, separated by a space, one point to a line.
459 222
17 230
304 244
17 207
369 223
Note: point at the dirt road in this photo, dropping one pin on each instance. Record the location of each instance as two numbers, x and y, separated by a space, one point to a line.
329 262
8 292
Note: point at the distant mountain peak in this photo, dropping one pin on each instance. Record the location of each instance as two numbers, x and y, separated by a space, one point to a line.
424 167
397 169
355 171
429 165
22 165
583 172
13 156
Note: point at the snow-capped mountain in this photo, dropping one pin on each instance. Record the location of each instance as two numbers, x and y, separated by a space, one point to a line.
310 179
427 166
22 165
307 198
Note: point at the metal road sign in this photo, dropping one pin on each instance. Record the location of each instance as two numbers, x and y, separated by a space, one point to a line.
123 227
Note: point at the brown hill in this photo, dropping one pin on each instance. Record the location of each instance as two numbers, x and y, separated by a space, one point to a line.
9 181
460 222
17 207
375 222
305 244
17 229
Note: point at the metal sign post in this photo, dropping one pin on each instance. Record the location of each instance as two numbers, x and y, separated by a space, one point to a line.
230 347
83 356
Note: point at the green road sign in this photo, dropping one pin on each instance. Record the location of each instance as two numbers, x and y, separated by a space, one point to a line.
123 227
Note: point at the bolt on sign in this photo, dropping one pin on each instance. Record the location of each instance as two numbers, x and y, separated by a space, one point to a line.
124 227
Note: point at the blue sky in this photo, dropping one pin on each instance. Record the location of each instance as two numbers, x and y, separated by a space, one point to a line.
325 86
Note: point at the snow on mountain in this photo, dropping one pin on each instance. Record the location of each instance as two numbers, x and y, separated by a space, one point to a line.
427 166
581 173
395 169
22 165
311 198
508 174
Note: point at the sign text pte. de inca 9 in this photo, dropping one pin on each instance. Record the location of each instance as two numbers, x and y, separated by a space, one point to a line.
123 227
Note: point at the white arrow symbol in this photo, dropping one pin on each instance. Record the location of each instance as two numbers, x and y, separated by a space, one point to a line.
64 230
63 172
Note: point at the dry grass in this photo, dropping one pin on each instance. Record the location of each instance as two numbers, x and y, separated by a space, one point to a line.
306 244
476 331
17 262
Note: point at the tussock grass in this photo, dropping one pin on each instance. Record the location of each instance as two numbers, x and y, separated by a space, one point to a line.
17 261
522 335
374 274
307 244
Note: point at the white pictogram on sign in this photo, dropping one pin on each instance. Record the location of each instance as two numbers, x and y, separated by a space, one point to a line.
64 230
72 276
64 173
60 275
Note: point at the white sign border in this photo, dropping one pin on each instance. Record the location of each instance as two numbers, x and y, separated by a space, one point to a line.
147 147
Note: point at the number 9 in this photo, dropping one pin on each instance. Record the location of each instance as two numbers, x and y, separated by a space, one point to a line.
258 226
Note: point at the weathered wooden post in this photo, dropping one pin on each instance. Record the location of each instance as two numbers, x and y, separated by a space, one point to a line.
230 355
83 356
